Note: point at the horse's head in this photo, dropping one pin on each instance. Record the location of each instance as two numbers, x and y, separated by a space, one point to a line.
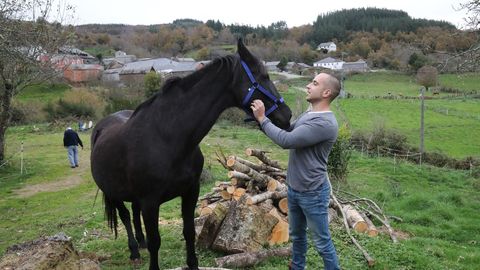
254 83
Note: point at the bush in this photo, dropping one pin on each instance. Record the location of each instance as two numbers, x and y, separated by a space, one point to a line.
381 138
27 112
80 103
233 115
340 155
152 82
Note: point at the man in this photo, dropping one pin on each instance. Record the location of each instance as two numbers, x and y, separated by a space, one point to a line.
310 140
70 141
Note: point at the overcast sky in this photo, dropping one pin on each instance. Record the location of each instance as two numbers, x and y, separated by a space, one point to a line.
250 12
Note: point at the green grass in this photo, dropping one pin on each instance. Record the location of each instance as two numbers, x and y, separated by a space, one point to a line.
439 206
42 92
443 132
382 83
467 82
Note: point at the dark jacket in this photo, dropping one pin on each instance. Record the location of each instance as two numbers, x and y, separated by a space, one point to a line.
70 137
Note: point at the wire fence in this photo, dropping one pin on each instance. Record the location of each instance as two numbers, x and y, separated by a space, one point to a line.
12 157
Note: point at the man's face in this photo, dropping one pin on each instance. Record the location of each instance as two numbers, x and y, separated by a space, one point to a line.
316 90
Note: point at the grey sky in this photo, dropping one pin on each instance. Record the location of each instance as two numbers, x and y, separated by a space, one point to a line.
251 12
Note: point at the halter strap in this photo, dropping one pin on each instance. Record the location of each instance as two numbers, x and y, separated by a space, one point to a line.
257 86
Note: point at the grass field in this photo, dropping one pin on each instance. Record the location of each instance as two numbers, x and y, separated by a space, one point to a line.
438 206
383 83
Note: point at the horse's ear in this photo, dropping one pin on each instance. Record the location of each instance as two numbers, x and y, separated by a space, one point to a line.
245 54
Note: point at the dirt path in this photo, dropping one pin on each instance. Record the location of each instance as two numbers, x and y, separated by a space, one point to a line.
74 179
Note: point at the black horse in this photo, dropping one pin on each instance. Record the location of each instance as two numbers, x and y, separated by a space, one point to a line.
152 155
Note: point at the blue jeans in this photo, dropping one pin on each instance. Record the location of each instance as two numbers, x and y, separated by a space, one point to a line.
72 155
310 209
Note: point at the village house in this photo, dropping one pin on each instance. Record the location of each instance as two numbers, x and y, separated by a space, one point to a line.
357 66
133 73
330 63
272 66
327 47
82 73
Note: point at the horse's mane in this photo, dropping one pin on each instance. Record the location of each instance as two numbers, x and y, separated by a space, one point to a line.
177 83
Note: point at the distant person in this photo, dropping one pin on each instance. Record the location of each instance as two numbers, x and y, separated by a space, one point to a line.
70 141
310 140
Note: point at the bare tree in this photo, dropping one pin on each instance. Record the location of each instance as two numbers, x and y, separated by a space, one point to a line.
30 38
469 60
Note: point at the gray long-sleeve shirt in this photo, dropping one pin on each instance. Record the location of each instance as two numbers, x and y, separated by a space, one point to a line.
310 140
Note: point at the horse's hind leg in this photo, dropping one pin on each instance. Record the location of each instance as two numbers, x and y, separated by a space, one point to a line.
189 201
132 243
137 224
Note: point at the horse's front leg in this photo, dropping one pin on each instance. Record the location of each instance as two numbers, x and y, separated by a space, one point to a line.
189 201
137 223
150 219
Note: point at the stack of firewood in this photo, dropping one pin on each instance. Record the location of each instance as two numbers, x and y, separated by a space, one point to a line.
250 210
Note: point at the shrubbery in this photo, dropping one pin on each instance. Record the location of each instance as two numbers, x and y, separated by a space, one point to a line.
79 103
340 155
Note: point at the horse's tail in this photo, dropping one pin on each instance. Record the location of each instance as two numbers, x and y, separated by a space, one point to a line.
111 214
95 136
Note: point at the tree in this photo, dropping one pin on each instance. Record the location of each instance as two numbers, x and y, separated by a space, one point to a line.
152 82
417 61
471 57
283 63
27 50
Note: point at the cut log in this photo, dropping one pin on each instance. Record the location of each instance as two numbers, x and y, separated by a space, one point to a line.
332 214
280 174
280 231
238 179
274 185
249 259
244 229
371 228
265 196
258 167
262 157
237 182
354 219
209 200
226 195
261 180
266 205
259 198
238 193
283 205
231 189
211 224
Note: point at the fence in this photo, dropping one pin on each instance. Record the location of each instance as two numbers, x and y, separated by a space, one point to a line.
6 161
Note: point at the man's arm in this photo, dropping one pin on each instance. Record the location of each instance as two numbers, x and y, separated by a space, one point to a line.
79 141
305 135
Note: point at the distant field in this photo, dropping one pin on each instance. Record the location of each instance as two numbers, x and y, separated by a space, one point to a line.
382 83
447 121
455 134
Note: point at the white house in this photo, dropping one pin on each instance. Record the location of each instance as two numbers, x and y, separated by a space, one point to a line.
329 46
330 63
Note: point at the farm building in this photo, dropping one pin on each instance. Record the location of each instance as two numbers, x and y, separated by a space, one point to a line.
330 63
82 73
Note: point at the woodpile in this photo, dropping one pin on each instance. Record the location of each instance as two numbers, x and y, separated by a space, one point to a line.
250 210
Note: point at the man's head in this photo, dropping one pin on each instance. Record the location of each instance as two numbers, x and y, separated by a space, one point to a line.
69 128
324 87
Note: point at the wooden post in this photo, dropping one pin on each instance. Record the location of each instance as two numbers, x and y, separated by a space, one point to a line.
21 158
422 126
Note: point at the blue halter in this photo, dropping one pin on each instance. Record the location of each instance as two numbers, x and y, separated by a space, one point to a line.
259 87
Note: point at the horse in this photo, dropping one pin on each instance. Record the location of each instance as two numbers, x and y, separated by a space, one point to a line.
152 155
